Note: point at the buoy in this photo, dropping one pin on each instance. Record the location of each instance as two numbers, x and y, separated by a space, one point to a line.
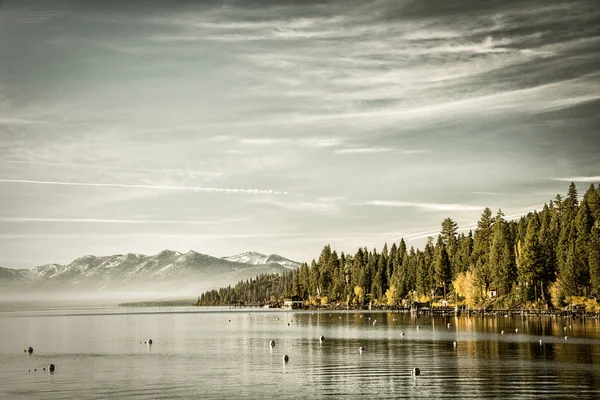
416 372
401 333
502 332
321 338
570 326
374 322
454 344
288 324
418 327
286 359
35 370
565 328
566 337
28 350
149 341
448 324
340 317
361 316
540 342
43 369
369 318
272 343
361 349
517 330
229 320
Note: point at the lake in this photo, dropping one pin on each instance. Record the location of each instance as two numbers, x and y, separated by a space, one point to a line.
218 353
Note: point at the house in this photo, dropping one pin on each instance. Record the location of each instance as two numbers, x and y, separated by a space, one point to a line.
294 303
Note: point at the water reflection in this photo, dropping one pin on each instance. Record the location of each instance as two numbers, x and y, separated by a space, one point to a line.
228 354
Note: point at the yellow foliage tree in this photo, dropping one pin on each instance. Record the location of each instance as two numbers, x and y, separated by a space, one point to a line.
465 287
392 296
359 293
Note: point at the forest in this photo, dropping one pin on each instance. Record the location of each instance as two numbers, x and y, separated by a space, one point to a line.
547 258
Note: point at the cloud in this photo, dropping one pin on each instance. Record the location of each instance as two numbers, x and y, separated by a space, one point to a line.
118 221
591 179
153 187
425 206
376 150
116 168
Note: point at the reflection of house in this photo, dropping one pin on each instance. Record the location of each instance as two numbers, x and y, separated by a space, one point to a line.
294 303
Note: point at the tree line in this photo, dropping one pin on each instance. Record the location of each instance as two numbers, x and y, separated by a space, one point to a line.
544 257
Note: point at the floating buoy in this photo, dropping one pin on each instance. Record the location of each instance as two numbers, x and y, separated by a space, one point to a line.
418 327
272 343
28 350
540 342
361 349
517 330
369 318
416 372
449 325
570 326
35 370
454 344
340 317
321 338
401 333
43 369
566 337
374 322
286 359
361 316
149 341
288 324
502 332
565 328
229 320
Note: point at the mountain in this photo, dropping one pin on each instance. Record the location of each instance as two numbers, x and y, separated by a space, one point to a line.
168 270
254 258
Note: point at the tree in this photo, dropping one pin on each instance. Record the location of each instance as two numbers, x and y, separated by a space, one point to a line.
449 231
529 264
443 271
501 263
481 250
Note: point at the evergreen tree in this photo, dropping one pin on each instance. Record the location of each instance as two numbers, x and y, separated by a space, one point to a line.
443 271
481 250
529 264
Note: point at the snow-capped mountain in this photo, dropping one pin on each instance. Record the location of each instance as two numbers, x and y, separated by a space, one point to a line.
167 269
254 258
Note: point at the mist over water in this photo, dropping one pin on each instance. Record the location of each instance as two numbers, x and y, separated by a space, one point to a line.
219 353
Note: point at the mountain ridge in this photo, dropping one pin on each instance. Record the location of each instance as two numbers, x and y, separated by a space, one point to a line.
123 272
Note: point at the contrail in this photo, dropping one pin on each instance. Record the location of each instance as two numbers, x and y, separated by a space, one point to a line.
117 221
155 187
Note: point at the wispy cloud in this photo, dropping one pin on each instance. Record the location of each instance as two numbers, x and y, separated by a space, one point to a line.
425 206
376 150
591 179
120 221
153 187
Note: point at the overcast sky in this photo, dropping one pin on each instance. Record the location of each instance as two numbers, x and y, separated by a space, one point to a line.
281 126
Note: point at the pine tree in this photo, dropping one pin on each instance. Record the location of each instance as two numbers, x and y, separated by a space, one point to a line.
443 271
529 265
594 261
481 250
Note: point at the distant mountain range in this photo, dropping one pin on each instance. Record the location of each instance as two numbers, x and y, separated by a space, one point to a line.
167 270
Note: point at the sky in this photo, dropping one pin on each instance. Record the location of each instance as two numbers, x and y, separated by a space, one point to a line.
283 126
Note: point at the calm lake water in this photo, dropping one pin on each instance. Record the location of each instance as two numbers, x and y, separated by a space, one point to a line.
199 353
